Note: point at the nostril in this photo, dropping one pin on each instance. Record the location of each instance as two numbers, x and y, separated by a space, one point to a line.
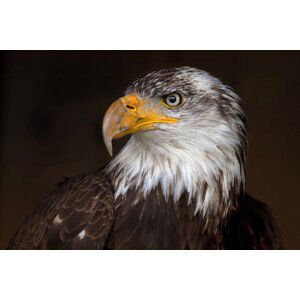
130 106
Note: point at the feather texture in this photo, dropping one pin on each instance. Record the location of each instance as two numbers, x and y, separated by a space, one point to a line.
78 214
82 214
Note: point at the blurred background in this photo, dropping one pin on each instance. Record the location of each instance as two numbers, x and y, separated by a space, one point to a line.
53 102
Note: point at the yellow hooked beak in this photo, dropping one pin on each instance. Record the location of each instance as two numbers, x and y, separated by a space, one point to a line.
128 115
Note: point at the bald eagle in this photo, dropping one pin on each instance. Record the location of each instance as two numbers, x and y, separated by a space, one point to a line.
179 182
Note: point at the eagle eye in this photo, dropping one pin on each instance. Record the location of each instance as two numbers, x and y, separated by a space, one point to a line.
173 99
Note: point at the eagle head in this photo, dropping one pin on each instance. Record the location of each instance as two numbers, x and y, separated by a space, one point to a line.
188 136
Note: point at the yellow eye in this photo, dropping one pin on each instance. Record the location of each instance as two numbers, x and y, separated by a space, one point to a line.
173 99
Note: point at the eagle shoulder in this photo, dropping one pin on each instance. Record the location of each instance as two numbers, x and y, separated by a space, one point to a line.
78 214
252 226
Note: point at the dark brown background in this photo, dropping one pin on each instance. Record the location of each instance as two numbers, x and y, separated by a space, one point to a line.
52 104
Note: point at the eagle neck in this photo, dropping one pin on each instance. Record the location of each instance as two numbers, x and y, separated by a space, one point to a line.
211 179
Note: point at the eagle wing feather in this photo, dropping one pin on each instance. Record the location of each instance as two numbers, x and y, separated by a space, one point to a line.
78 214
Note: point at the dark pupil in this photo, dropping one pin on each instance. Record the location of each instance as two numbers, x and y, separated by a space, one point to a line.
172 99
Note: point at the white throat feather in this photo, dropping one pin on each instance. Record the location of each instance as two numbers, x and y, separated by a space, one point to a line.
206 165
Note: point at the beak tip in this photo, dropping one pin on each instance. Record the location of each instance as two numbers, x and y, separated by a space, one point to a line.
108 145
107 138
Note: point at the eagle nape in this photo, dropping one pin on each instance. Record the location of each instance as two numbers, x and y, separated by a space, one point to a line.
178 183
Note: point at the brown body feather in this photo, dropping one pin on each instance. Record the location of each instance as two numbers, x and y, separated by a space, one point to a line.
81 213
